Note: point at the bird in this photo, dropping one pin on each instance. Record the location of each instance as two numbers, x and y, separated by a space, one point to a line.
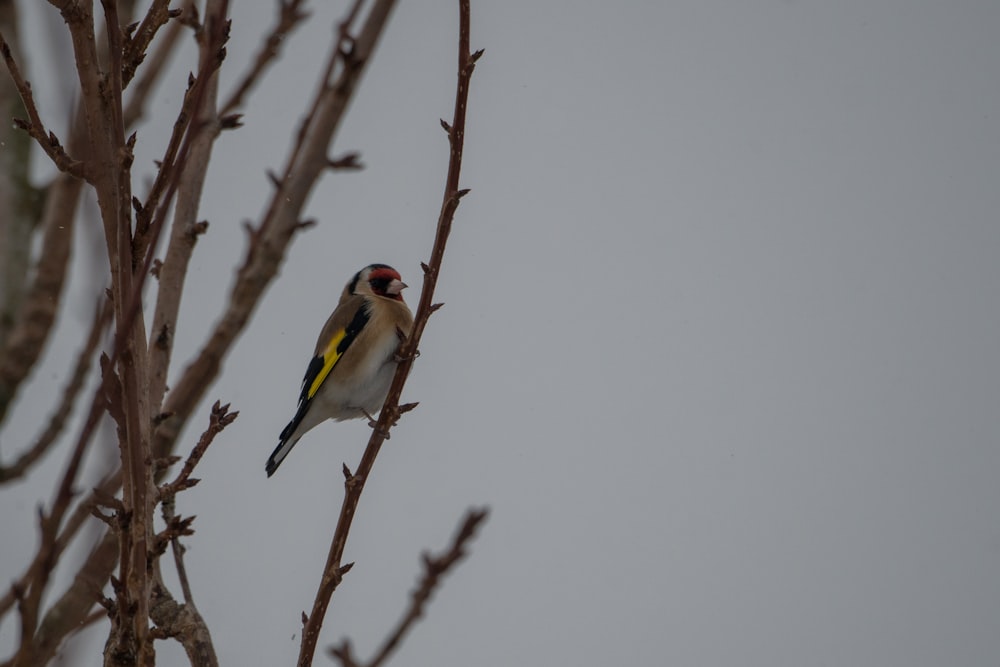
355 359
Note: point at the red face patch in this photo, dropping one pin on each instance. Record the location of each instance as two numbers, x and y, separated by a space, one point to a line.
386 274
380 278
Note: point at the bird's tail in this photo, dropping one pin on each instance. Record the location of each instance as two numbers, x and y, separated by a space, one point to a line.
289 436
279 454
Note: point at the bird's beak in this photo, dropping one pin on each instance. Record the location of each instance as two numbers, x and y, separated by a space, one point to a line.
395 287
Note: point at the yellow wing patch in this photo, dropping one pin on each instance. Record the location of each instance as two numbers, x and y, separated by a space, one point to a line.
330 358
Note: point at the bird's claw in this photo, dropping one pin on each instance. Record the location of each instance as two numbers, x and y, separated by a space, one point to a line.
398 358
383 433
373 424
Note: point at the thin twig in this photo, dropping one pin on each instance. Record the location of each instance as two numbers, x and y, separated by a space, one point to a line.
20 200
34 126
178 551
46 556
66 614
142 86
290 14
37 313
71 527
102 316
167 170
135 47
219 419
38 309
196 123
186 178
40 304
391 410
183 622
435 567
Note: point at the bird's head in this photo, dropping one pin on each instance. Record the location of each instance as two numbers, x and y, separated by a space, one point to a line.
377 280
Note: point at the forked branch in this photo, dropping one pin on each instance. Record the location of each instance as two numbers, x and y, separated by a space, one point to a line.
435 567
33 125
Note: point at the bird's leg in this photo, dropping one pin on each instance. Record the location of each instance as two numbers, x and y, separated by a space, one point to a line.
402 338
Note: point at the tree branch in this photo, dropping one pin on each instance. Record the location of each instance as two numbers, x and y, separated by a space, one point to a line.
135 47
102 316
188 182
20 201
151 71
66 614
109 158
34 126
220 419
290 14
391 410
435 567
183 622
38 309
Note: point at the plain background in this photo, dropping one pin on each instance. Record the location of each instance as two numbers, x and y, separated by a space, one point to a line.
719 346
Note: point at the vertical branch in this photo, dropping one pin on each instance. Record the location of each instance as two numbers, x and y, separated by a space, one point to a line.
189 177
131 341
391 410
108 169
38 312
183 622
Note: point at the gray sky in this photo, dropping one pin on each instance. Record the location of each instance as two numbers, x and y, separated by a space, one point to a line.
719 344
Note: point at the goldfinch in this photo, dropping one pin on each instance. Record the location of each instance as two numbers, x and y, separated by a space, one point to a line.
350 374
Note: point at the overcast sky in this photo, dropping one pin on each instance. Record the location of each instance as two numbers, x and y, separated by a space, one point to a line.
719 346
